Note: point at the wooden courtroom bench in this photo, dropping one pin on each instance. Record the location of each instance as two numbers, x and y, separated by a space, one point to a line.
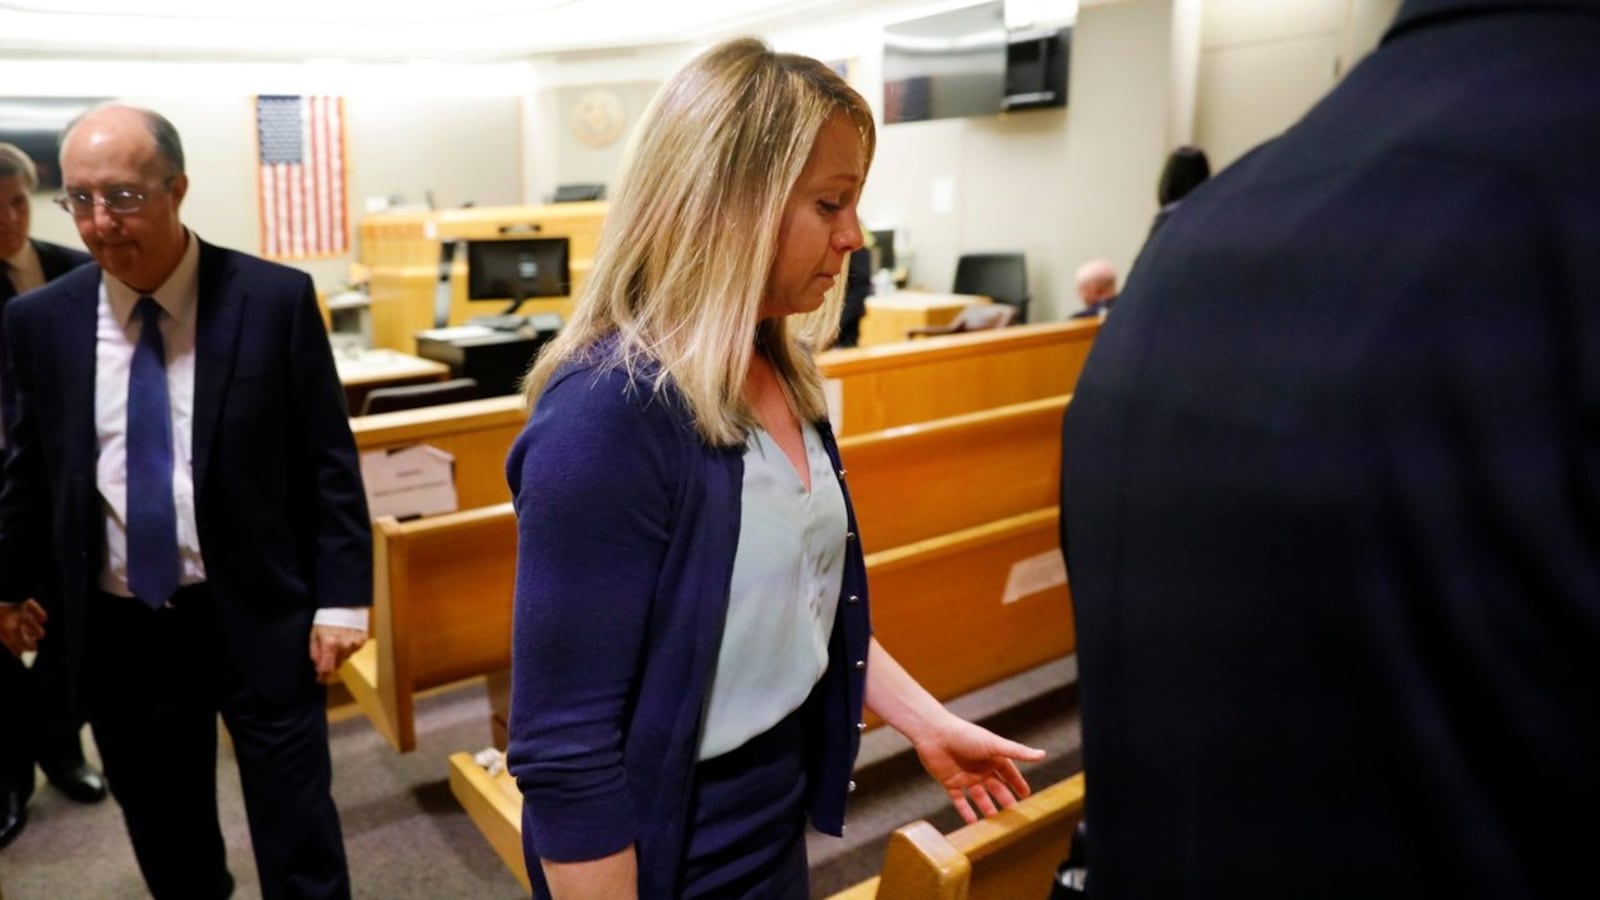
1003 857
881 388
948 610
443 585
478 433
874 388
1009 855
441 612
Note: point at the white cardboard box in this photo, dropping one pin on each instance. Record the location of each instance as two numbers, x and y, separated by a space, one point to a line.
404 482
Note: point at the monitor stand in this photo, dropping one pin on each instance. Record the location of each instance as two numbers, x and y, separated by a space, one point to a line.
508 320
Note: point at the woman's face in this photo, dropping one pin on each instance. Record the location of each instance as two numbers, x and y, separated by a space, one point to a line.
819 227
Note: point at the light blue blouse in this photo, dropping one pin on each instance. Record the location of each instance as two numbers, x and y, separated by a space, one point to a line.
787 573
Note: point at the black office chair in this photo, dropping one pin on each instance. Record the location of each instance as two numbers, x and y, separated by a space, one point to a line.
415 396
1002 277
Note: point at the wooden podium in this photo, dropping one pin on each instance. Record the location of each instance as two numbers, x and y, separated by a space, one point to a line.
401 251
888 317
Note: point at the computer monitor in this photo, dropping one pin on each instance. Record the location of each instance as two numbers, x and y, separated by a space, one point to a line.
517 269
883 241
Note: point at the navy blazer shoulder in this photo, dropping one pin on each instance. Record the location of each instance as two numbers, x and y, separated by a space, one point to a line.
628 524
1329 491
57 260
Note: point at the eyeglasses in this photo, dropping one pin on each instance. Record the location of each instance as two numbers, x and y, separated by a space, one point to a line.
119 200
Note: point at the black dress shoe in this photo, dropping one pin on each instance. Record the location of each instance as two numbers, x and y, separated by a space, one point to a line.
79 782
13 815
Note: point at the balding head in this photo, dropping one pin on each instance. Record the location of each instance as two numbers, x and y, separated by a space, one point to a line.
1097 281
131 159
168 146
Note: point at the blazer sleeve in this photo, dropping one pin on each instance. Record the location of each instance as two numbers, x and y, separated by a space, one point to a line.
24 499
343 529
593 477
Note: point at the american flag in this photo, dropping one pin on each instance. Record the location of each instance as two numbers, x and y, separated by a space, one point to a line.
302 176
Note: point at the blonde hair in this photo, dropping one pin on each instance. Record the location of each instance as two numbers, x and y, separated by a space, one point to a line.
691 235
14 162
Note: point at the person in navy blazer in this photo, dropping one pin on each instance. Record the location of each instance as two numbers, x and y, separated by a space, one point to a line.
1331 492
692 648
57 260
44 727
272 529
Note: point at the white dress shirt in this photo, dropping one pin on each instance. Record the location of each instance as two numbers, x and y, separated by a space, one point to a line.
116 334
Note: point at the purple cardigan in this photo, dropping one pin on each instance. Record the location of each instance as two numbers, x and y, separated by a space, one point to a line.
627 528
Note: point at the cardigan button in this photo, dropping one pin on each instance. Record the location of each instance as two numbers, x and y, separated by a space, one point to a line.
861 726
842 471
860 664
850 788
852 599
849 535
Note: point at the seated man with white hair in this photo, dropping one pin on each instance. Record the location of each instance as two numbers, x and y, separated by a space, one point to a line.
1097 287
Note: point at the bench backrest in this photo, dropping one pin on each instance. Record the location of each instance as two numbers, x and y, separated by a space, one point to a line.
919 481
478 433
1012 854
919 381
444 584
966 610
441 612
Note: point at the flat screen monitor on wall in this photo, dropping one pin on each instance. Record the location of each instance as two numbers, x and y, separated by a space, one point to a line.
947 65
518 269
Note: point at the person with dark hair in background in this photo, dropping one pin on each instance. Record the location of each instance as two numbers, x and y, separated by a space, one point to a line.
1331 492
1185 169
857 288
182 495
40 723
692 650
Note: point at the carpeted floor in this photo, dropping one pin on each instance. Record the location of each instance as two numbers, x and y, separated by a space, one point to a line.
408 838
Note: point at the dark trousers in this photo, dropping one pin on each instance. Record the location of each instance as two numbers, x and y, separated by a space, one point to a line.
155 682
747 841
40 724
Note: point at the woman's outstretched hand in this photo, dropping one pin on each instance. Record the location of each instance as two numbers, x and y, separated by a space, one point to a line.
976 766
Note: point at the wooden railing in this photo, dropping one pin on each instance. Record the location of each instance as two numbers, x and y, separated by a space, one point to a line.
1006 856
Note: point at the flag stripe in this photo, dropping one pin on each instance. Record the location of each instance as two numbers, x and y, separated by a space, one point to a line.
301 176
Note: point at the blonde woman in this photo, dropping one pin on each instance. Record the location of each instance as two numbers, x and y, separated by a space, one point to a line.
692 644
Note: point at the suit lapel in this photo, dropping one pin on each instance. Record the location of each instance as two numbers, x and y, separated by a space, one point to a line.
219 313
80 314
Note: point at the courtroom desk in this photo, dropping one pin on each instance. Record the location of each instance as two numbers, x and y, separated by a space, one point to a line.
382 367
890 316
496 360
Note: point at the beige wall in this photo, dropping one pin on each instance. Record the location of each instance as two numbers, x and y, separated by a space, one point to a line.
463 147
1263 63
553 152
1061 185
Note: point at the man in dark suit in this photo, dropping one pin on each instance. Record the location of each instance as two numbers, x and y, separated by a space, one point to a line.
1331 492
41 726
193 506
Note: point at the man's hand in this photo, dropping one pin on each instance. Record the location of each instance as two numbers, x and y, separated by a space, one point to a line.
22 626
331 646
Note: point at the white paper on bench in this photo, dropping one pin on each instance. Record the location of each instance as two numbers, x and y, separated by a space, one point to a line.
1034 574
415 480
